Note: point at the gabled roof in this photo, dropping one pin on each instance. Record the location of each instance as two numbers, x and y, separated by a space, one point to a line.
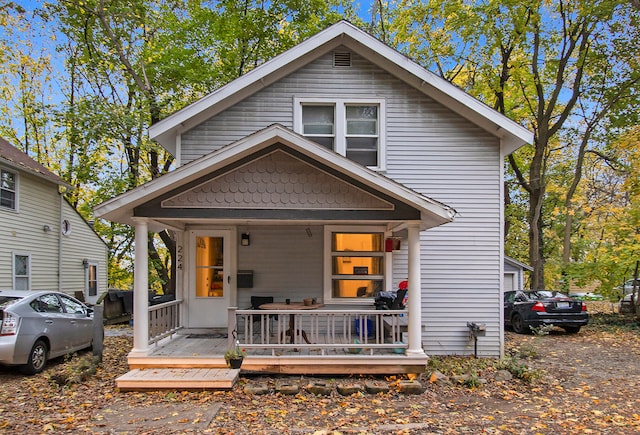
517 264
122 208
13 157
346 34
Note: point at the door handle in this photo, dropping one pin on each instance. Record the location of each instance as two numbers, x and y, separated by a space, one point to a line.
228 279
49 321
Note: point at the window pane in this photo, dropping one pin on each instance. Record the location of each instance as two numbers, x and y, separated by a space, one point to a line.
362 155
209 266
362 120
326 142
7 181
362 242
355 288
72 306
7 199
22 283
21 265
317 120
93 280
357 266
362 127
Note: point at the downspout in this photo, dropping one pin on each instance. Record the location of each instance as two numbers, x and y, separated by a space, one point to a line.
60 243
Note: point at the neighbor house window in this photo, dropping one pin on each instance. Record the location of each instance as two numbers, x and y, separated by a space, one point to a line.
92 280
352 128
22 271
355 262
8 189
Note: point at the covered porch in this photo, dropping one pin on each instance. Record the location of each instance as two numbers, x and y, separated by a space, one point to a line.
289 214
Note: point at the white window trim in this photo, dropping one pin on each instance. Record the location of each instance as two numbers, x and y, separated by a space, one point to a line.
86 279
14 254
340 133
16 189
328 275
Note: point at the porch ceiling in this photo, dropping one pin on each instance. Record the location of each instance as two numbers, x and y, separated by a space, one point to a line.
274 175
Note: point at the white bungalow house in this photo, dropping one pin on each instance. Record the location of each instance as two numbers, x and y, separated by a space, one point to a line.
332 172
44 243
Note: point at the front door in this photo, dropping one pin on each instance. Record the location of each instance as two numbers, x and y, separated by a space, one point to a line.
210 283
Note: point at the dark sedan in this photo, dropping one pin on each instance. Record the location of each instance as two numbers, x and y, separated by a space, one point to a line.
524 310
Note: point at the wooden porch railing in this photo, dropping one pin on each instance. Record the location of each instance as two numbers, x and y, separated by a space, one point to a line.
325 329
164 320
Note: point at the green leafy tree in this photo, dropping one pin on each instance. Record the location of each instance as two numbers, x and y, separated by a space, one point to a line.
553 66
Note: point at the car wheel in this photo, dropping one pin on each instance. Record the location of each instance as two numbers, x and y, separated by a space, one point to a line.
572 329
37 359
517 324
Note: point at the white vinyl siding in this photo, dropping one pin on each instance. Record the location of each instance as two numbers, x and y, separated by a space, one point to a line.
284 260
429 149
82 243
23 231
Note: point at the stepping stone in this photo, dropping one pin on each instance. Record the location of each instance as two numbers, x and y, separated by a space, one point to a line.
374 387
256 389
411 387
319 389
349 389
288 389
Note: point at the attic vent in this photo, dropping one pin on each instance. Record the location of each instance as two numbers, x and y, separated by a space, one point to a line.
342 59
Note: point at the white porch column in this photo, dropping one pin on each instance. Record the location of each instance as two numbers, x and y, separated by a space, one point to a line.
414 328
141 288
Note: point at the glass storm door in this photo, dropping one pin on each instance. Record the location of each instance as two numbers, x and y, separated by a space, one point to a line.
210 286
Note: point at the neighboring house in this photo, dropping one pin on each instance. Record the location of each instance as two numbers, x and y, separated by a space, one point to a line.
44 243
336 170
514 274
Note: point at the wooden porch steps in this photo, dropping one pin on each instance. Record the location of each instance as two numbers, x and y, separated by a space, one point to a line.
178 378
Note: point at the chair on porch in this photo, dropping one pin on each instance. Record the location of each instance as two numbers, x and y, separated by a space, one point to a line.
397 303
256 301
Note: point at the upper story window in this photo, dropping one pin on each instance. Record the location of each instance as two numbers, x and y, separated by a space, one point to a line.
352 128
8 183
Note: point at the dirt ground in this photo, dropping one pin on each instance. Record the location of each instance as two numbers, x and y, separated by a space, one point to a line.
586 383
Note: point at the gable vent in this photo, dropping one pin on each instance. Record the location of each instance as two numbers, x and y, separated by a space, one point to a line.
342 59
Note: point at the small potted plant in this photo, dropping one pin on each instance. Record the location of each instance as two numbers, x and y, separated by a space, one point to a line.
234 356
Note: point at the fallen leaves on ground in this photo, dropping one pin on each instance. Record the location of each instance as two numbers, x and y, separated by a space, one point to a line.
590 384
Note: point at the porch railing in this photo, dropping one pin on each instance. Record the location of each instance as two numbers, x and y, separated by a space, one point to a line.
356 331
164 320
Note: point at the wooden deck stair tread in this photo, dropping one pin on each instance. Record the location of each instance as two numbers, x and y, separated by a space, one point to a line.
179 378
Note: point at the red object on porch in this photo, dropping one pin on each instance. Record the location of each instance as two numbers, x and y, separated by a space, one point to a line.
404 285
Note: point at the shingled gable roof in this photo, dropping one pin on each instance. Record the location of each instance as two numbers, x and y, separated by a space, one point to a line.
121 208
13 157
345 34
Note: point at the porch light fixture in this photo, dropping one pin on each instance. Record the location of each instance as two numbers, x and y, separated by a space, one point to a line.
245 240
46 228
85 263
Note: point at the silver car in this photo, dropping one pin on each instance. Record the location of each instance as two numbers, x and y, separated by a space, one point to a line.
40 325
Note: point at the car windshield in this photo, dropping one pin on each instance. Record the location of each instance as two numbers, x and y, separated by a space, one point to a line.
545 294
5 301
